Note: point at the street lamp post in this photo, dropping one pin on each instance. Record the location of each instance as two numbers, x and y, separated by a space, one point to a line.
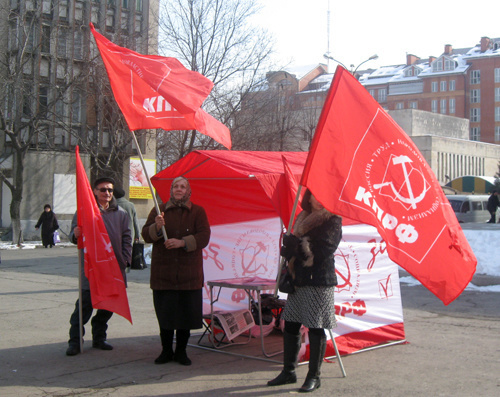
328 56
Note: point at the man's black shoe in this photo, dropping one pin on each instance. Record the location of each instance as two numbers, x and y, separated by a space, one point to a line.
72 350
102 344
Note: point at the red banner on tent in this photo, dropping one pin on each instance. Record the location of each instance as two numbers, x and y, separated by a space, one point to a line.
362 165
158 92
107 287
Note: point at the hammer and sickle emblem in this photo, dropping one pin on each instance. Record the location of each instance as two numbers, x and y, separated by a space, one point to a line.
412 200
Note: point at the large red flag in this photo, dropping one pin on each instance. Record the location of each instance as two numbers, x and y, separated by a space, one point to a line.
107 287
362 165
158 92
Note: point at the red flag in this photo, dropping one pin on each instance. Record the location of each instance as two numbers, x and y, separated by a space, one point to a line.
107 287
362 165
158 92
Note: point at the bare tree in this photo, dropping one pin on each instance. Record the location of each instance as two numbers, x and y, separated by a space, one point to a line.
53 106
215 38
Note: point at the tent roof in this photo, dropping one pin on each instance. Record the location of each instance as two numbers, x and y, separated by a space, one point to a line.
469 183
233 186
225 164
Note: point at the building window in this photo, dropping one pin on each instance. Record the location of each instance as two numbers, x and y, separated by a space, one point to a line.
475 96
138 5
61 43
443 106
449 64
497 134
497 75
76 107
475 134
43 101
382 95
497 94
78 46
451 85
475 76
124 3
437 66
434 86
45 39
497 113
475 115
434 106
372 93
442 86
400 105
413 105
452 105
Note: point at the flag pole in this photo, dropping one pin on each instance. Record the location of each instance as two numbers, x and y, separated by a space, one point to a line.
149 183
80 314
288 230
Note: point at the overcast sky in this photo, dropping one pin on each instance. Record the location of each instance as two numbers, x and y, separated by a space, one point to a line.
359 29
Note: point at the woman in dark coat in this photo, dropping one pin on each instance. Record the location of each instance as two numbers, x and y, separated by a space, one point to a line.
177 268
49 224
309 251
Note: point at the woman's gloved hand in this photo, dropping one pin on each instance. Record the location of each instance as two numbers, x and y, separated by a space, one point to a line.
290 246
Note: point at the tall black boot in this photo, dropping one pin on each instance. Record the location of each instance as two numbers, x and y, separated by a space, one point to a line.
181 341
291 347
167 353
317 348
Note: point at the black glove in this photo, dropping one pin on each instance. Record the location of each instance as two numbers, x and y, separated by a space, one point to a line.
290 246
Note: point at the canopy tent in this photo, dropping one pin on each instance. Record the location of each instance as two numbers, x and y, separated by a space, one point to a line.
250 185
242 193
473 184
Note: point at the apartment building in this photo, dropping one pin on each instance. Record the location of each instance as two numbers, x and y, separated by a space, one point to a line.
461 82
56 93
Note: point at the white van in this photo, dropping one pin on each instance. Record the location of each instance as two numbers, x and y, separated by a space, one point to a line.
470 208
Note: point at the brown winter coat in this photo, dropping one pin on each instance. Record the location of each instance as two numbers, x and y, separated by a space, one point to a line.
181 268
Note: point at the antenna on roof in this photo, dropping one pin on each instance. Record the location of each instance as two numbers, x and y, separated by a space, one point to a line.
328 35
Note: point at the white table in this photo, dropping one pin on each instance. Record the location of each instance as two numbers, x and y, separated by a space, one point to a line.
248 284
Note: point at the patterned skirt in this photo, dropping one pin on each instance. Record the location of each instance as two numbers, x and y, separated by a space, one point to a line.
313 307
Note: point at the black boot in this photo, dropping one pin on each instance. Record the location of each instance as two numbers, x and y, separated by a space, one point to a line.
291 347
317 348
167 353
181 341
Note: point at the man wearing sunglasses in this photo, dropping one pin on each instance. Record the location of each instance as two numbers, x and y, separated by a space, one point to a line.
117 226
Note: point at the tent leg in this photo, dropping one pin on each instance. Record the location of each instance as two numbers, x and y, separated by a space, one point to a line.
337 354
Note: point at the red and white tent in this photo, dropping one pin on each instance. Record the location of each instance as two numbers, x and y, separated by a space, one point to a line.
244 194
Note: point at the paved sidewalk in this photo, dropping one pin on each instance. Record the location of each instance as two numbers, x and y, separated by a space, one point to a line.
452 351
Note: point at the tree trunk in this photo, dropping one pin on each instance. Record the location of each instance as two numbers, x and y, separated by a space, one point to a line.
17 197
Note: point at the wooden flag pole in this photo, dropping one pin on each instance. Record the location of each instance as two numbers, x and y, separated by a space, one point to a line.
149 183
80 314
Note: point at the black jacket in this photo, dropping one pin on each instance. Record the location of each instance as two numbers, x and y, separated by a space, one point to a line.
319 234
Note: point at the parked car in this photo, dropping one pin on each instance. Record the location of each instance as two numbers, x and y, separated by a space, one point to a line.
470 208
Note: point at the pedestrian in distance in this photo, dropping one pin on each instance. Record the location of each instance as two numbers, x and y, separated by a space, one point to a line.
177 268
116 221
493 204
48 222
309 250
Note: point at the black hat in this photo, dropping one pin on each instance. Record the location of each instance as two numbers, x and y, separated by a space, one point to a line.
118 192
102 179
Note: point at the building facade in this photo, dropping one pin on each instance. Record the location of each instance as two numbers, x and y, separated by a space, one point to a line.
56 94
462 83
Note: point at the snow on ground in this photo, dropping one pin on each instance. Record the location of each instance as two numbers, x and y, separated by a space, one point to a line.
484 243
